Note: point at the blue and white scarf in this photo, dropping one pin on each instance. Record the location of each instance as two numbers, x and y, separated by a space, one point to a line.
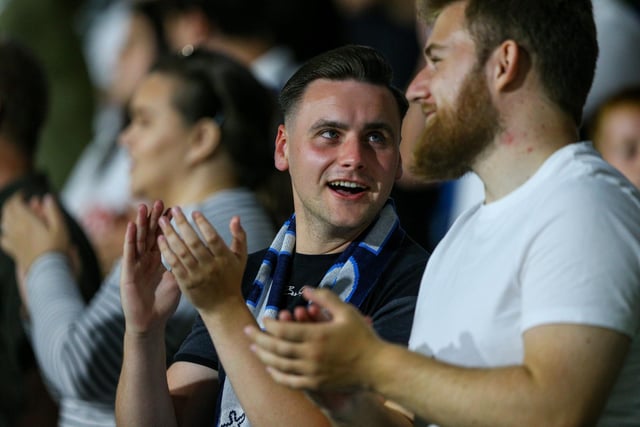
352 276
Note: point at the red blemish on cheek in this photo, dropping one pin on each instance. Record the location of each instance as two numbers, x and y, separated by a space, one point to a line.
529 150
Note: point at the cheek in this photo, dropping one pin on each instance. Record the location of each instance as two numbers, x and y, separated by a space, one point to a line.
309 159
158 152
144 147
388 162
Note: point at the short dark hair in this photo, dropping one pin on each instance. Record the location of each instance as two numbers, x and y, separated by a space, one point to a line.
559 35
216 86
349 62
24 96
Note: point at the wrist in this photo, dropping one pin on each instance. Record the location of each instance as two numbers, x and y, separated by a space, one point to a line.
223 309
150 336
374 369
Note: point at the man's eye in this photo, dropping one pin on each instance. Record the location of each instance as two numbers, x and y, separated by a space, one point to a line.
377 138
329 133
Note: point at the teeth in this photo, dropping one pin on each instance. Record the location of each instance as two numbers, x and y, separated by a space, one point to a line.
347 184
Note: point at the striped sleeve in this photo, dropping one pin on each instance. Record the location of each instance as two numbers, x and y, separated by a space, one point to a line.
78 346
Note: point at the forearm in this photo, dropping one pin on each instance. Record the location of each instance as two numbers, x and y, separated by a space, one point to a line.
143 394
55 306
265 402
78 346
451 395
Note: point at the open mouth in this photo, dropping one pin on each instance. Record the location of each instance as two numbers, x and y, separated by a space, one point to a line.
347 187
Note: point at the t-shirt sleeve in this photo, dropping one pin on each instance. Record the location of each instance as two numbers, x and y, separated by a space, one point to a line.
198 347
582 274
393 321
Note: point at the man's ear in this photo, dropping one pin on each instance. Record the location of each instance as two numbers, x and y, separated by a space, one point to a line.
204 140
281 154
507 65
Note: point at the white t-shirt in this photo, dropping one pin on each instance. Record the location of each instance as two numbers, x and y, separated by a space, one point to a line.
562 248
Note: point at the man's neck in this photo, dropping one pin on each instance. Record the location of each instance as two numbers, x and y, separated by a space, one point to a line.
315 238
320 243
517 153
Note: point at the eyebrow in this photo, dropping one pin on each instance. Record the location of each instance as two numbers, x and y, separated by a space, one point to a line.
380 126
339 125
328 123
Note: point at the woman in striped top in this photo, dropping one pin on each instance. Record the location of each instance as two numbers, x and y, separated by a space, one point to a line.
200 138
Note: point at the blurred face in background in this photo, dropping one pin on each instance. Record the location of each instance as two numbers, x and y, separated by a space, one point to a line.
618 139
136 56
156 138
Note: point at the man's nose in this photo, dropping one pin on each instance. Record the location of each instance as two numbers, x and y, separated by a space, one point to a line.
351 152
420 87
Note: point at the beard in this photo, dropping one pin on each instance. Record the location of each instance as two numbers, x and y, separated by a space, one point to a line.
455 137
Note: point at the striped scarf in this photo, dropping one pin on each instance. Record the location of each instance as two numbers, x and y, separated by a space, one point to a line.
352 276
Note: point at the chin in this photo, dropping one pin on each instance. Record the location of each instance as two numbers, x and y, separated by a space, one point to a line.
353 219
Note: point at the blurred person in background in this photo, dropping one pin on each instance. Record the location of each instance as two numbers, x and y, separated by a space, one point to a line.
123 40
24 105
48 28
618 65
615 132
241 29
199 136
